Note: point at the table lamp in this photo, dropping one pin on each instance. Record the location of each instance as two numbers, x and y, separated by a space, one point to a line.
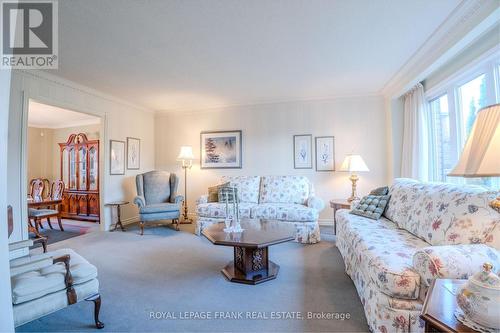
187 157
353 163
481 154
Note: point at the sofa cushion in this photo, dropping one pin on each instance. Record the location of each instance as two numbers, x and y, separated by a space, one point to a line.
285 212
285 189
218 210
248 187
444 214
159 208
49 279
371 206
389 267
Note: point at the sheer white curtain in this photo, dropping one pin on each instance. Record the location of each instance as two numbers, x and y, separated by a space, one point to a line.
415 155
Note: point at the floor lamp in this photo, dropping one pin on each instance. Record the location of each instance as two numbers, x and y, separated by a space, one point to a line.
481 154
186 156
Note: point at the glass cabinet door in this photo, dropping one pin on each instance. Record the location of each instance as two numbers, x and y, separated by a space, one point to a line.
93 169
72 169
82 168
65 167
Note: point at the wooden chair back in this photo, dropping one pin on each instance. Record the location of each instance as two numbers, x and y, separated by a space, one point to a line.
57 189
36 189
46 193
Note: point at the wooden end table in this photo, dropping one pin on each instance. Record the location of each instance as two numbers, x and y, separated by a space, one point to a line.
251 264
117 204
440 304
337 204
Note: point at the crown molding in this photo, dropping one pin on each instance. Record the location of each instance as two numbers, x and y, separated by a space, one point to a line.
269 102
78 87
452 36
73 124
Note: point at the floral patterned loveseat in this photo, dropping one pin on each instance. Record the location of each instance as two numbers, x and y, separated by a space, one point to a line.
285 198
428 231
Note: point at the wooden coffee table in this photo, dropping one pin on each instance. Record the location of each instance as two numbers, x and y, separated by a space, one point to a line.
440 304
251 264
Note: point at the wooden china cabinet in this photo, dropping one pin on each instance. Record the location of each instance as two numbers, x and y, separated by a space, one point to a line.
80 173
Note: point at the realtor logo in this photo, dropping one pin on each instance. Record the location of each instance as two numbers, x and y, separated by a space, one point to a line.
29 37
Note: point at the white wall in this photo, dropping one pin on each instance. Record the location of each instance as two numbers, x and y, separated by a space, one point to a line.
119 120
6 319
358 124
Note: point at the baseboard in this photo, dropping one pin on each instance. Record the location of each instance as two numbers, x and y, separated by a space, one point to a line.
130 220
325 222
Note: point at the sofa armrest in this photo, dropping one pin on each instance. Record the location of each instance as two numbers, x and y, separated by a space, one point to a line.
453 261
140 201
316 203
178 199
203 199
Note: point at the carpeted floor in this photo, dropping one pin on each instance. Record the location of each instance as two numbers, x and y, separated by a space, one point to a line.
177 273
55 235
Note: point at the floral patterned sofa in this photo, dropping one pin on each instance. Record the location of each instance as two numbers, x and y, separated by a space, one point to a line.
285 198
428 231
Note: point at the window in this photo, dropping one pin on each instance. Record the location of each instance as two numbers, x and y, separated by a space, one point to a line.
453 109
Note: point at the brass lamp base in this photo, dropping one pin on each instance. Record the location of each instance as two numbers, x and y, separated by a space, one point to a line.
495 204
185 219
354 178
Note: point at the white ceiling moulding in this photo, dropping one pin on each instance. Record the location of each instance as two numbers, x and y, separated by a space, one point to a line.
468 22
81 88
72 124
284 101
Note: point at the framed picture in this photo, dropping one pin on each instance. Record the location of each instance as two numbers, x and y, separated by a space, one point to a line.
133 153
220 150
116 157
325 153
302 151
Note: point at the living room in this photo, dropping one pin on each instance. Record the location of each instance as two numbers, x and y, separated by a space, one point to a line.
255 160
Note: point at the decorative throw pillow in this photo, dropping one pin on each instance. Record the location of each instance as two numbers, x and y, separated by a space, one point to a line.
228 193
384 190
371 206
213 192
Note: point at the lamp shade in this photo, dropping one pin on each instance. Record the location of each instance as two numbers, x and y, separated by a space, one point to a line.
481 154
186 153
353 163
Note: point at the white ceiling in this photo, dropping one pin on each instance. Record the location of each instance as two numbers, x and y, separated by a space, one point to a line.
180 54
47 116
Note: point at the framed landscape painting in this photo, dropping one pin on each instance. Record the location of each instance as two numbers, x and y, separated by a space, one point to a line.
302 151
117 157
133 153
325 153
220 150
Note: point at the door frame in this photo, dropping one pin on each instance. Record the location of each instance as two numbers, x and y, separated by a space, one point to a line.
103 152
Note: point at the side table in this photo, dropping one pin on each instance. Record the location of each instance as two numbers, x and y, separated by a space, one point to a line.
337 204
117 204
440 304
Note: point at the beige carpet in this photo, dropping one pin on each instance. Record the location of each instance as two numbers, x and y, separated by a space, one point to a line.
177 274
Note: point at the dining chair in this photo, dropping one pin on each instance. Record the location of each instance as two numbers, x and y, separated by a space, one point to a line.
37 215
46 193
36 188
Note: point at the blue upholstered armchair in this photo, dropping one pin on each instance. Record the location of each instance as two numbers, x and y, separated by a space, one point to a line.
157 197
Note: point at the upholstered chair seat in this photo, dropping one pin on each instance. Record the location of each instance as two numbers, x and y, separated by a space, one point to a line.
157 197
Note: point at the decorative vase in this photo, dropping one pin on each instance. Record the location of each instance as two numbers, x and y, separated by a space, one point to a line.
479 298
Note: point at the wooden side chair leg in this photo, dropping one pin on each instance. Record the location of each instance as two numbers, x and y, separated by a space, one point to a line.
60 223
50 224
97 307
37 222
141 224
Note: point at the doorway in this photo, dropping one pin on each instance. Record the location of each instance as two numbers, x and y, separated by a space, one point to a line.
63 172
